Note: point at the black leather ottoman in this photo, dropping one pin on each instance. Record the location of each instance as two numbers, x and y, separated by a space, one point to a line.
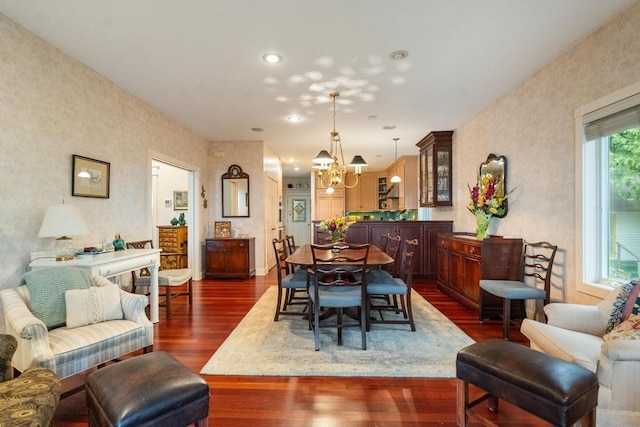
154 389
555 390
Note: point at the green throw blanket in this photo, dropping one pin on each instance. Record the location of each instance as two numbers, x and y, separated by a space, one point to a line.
47 288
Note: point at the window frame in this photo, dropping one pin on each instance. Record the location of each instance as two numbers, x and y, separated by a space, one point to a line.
587 158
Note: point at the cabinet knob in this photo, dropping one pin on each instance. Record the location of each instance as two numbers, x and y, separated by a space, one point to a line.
472 250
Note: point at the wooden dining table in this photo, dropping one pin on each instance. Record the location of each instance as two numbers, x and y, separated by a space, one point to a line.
303 257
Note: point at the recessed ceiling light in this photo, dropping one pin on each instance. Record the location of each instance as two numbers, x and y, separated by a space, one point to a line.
388 127
398 55
294 119
257 129
272 58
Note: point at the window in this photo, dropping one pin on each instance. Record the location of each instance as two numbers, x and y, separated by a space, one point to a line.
608 191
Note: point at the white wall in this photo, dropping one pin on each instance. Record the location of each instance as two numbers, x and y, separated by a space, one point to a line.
169 179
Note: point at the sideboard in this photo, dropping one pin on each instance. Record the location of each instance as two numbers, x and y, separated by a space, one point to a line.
230 257
463 261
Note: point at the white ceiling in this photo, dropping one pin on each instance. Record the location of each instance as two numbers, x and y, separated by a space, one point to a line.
199 62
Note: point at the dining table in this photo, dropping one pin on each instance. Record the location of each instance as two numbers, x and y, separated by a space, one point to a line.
303 257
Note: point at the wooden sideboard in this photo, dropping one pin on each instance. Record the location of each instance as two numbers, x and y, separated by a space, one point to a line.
230 257
173 240
463 261
425 263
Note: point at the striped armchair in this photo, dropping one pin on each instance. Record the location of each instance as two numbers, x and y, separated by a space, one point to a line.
67 351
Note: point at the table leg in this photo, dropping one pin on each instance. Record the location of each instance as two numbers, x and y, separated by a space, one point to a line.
153 293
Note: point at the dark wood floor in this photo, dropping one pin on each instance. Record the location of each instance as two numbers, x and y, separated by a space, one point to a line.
194 334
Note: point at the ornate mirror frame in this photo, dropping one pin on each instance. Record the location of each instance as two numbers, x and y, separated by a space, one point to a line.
235 193
496 167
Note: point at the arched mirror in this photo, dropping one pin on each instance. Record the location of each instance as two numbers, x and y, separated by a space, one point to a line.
496 167
235 193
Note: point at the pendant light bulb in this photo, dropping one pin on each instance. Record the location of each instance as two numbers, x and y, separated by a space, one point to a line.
396 178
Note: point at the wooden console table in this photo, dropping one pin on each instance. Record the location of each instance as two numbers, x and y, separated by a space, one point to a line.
463 261
112 264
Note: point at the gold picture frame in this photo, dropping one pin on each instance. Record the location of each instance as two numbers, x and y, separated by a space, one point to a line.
222 229
90 177
180 200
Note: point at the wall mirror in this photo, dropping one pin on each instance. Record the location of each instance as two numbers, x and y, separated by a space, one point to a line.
235 193
496 167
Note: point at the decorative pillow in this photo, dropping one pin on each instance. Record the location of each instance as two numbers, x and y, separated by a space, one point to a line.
627 330
47 288
620 304
94 305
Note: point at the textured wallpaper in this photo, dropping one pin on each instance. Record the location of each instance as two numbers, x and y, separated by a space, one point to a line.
52 107
533 126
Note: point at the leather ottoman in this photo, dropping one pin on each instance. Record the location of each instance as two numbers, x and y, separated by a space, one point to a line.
153 389
555 390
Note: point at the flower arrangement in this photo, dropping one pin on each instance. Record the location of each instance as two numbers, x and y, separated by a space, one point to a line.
484 197
336 227
485 203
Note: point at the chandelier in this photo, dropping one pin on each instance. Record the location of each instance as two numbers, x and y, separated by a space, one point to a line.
331 173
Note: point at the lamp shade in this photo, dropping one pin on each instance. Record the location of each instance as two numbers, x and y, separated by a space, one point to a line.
63 220
323 157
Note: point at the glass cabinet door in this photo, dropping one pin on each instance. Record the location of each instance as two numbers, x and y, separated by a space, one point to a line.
436 169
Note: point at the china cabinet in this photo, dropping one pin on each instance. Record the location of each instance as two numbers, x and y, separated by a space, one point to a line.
436 169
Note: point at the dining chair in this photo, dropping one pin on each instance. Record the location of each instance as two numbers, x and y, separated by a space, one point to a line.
167 278
387 272
291 243
338 281
290 281
537 265
399 287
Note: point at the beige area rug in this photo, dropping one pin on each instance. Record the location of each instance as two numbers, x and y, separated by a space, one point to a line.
260 346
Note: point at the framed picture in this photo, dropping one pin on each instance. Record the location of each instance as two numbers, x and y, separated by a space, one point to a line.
222 229
90 177
180 200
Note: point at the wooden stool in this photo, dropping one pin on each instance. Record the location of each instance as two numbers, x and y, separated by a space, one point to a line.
154 389
555 390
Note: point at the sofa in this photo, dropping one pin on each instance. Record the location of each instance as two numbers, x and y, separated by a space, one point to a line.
29 400
579 334
100 321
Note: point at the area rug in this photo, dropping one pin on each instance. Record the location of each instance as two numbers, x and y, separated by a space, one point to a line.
259 346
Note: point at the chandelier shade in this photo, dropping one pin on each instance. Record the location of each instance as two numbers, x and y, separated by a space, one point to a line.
330 171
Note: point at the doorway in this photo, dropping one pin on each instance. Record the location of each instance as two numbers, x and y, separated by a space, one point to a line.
173 185
298 215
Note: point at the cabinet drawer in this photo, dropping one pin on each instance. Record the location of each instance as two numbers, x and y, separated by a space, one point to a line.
460 246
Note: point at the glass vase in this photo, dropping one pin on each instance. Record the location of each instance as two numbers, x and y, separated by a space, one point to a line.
482 225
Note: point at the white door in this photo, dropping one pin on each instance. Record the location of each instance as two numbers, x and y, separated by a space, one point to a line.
298 211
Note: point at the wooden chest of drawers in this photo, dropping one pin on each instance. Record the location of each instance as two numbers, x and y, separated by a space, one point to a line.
173 240
230 257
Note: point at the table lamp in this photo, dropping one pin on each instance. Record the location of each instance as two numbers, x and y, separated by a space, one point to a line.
61 222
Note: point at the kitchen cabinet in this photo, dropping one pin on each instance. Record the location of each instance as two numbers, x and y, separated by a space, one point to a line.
173 240
426 256
328 205
463 261
406 167
382 193
363 197
230 257
435 169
